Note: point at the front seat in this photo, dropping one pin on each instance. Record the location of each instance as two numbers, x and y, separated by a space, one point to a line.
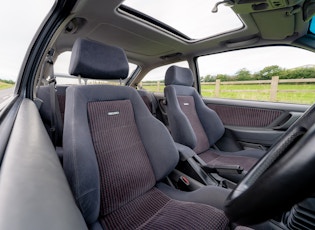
116 154
195 125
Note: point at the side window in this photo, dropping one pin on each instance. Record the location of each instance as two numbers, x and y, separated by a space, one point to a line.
276 74
61 69
17 31
154 80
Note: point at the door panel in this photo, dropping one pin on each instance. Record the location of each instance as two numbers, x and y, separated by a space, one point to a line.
256 124
246 116
34 192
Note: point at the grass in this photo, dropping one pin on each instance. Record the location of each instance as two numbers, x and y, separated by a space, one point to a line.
154 88
4 85
304 93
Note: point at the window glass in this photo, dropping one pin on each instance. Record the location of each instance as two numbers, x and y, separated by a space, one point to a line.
278 74
19 21
154 80
192 18
61 69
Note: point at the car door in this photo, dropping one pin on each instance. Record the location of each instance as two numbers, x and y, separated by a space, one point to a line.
34 192
257 98
255 124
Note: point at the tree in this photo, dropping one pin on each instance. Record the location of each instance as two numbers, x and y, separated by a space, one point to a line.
268 72
7 81
223 77
208 78
243 74
300 73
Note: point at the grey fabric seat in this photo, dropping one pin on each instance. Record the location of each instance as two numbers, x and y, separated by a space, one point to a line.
195 125
116 154
43 94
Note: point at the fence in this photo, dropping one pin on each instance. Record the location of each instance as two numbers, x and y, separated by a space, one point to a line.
270 90
274 83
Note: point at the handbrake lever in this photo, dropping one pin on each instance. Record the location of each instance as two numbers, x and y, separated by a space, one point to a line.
232 169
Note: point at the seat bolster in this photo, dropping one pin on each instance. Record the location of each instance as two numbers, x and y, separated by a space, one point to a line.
163 157
180 126
96 226
79 160
184 152
209 119
159 146
210 195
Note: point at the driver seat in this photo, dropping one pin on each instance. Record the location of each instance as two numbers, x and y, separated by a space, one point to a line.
116 154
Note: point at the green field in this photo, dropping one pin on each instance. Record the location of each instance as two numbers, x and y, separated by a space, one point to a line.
5 85
304 93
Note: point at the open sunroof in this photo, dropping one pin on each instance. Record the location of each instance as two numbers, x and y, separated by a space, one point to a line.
191 18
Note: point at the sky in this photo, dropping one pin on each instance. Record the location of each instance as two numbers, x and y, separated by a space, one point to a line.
255 60
18 29
193 18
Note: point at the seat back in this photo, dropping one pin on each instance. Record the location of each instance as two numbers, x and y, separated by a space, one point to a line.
149 100
191 122
43 93
114 149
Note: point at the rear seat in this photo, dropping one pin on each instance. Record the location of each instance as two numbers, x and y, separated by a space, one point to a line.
149 100
43 93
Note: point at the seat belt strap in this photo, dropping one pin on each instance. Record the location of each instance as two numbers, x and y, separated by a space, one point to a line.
53 101
154 104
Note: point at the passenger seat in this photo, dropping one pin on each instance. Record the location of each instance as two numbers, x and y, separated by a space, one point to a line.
195 125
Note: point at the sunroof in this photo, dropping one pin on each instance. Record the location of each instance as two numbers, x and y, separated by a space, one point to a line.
192 18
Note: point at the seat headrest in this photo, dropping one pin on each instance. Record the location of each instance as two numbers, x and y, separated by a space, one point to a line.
91 59
176 75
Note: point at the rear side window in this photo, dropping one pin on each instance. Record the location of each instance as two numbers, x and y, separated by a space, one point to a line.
276 74
154 80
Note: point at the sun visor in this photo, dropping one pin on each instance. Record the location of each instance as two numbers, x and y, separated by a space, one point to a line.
276 24
308 10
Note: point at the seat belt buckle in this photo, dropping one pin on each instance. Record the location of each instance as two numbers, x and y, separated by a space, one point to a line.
183 183
184 180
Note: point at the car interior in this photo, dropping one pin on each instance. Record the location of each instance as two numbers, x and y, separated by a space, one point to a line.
105 153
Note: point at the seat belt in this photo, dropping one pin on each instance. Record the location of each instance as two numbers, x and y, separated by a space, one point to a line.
154 104
55 115
53 101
